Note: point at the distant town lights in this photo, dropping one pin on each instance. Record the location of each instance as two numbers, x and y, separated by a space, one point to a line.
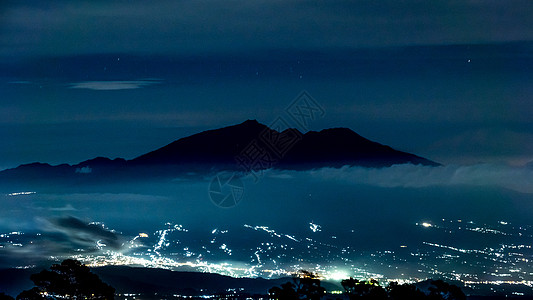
337 276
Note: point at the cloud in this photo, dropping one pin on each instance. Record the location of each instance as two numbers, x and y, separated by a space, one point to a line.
60 237
112 85
519 179
20 82
67 207
103 197
84 170
216 25
83 234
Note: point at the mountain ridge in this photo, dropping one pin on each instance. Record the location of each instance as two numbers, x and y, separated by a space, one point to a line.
235 148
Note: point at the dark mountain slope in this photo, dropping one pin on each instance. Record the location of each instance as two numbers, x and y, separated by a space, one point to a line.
328 148
243 147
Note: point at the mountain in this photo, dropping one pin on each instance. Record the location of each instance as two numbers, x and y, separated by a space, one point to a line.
248 146
285 150
212 147
152 281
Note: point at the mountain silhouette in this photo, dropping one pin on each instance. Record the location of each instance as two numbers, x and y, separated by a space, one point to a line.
212 147
249 146
287 149
157 281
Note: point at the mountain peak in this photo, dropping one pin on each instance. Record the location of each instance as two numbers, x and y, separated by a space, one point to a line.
223 148
251 122
332 147
339 131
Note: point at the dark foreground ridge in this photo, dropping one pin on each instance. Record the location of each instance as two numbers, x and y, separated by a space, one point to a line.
249 146
72 280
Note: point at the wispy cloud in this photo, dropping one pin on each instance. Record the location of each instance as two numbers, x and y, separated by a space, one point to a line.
63 237
112 85
519 179
117 27
67 207
89 235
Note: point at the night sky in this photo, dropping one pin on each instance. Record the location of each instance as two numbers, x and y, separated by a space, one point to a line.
451 81
448 80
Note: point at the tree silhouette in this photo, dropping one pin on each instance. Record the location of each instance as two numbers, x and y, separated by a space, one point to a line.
371 290
404 292
70 279
363 289
443 290
33 294
306 286
5 297
286 292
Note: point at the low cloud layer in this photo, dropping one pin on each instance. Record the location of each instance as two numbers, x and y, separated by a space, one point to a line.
519 179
